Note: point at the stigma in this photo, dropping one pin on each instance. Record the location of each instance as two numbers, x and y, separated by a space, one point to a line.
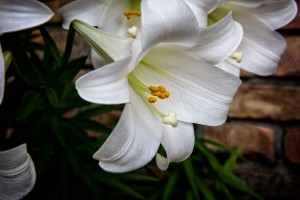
237 55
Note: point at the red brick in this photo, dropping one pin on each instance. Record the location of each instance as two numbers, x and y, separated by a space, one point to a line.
289 63
292 146
253 139
266 101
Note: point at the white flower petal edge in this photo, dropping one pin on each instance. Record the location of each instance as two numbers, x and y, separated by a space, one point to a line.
245 3
134 141
180 29
178 143
262 47
106 85
17 173
277 13
21 14
2 72
218 41
88 11
201 8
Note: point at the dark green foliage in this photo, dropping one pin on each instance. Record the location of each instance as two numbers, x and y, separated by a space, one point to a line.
40 93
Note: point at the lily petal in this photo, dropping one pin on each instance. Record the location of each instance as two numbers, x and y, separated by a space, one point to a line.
169 27
88 11
201 8
245 3
277 13
262 47
17 173
107 84
103 43
218 41
199 92
178 142
2 75
17 15
134 141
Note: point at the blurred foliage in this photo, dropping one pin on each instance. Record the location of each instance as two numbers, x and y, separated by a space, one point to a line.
42 108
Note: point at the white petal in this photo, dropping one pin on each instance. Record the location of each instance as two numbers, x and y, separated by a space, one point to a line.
106 85
218 41
245 3
89 11
17 15
199 92
116 47
2 75
201 8
134 141
229 65
17 173
168 21
277 13
178 143
262 47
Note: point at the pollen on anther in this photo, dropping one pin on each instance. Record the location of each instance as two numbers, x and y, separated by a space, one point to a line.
153 88
152 99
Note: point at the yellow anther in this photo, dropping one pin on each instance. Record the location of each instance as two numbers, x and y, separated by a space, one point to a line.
153 88
128 13
157 94
167 93
152 99
162 96
162 88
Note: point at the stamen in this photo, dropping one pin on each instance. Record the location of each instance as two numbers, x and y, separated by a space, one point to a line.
159 92
129 13
152 99
238 56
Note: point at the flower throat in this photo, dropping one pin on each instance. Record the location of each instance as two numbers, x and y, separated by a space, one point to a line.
132 14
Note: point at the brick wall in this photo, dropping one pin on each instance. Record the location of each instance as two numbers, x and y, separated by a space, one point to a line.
264 118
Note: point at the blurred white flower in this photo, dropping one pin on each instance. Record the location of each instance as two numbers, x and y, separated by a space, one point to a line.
261 47
17 15
17 173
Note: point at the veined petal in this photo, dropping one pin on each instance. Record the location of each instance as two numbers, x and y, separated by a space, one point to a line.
245 3
114 47
134 141
89 11
174 22
201 8
199 92
106 85
230 66
17 173
218 41
17 15
277 13
2 75
178 143
262 47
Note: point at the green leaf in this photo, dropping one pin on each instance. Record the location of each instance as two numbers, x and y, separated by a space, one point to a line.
231 161
173 179
96 109
50 44
55 124
31 101
191 175
205 190
69 45
137 177
108 180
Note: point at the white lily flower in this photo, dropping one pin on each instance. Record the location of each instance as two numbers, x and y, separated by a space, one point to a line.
18 15
123 18
17 173
262 47
165 82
